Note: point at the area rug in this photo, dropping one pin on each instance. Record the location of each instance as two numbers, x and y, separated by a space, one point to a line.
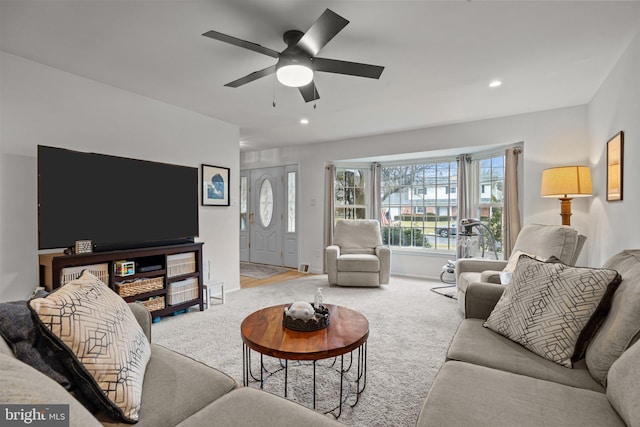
260 271
410 329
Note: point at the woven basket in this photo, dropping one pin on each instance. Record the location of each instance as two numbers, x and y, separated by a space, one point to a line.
180 264
127 289
153 304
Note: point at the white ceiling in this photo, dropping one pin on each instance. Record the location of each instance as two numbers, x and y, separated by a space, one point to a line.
439 58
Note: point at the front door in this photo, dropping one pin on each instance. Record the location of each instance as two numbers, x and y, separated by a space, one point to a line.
266 216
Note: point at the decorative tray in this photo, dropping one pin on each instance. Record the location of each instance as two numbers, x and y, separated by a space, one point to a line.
320 320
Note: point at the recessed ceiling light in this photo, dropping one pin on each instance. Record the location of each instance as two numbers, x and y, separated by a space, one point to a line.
495 83
304 121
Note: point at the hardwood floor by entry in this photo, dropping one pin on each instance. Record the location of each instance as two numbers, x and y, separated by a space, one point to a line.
250 282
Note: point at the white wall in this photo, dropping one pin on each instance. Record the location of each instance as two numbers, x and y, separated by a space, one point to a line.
551 138
43 105
615 107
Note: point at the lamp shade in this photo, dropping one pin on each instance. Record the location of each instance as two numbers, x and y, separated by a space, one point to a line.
566 181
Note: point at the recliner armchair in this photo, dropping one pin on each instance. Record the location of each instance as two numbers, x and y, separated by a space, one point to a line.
540 240
357 256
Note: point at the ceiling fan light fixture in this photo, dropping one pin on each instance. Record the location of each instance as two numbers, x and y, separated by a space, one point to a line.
294 75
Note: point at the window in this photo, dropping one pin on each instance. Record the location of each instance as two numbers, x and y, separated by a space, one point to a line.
350 193
243 203
490 180
419 200
291 202
418 208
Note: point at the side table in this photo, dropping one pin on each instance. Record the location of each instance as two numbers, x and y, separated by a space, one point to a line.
207 290
263 332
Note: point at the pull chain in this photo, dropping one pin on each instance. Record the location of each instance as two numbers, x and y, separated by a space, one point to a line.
274 92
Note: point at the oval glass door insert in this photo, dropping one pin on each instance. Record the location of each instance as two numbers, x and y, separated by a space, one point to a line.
266 203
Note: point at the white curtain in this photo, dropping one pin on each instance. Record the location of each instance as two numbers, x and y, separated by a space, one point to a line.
511 213
376 202
329 203
464 199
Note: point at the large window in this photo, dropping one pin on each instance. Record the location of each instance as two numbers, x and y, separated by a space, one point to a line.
418 208
419 200
351 193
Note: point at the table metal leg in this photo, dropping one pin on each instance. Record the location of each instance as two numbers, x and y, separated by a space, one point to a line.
344 395
361 373
245 370
286 376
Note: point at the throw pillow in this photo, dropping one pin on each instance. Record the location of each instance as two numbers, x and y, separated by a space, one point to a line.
107 347
622 325
19 330
548 307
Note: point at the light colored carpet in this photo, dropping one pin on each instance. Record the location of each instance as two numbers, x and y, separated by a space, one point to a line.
410 330
260 271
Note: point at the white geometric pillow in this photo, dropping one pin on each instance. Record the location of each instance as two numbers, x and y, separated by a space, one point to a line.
109 351
548 307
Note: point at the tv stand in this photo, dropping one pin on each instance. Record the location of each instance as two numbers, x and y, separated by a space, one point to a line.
170 279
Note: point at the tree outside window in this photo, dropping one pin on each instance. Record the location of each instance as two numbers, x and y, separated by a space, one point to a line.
350 193
491 200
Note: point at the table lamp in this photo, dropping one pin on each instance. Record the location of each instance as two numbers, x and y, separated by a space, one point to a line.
565 183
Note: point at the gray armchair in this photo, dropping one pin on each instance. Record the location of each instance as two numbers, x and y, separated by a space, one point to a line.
357 256
535 239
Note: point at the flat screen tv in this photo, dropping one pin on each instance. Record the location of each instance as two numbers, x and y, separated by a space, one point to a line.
116 202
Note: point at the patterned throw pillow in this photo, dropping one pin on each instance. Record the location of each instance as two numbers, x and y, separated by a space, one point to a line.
109 351
549 305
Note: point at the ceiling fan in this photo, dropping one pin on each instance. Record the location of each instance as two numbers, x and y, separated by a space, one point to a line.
298 61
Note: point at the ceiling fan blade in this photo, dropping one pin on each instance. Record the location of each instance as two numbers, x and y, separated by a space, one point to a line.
346 67
321 32
253 76
309 92
242 43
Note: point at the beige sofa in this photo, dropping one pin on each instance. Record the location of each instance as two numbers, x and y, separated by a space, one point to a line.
535 239
177 391
489 380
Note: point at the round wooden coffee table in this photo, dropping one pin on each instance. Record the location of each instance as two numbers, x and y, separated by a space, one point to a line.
348 330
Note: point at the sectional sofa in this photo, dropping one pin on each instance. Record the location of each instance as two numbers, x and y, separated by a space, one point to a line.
490 380
177 391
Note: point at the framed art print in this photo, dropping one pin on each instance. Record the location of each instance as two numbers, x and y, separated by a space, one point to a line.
215 186
615 152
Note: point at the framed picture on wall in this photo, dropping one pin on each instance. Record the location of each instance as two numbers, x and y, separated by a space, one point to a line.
215 186
615 151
